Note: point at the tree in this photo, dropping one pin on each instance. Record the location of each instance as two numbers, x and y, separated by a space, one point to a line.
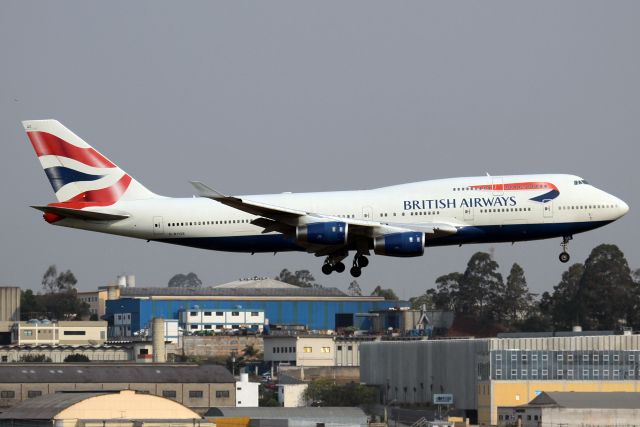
354 289
517 299
482 286
76 358
324 392
190 280
606 287
53 282
300 278
30 305
425 299
387 294
448 296
565 304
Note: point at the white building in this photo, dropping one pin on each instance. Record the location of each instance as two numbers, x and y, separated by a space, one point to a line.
246 392
219 320
300 350
36 332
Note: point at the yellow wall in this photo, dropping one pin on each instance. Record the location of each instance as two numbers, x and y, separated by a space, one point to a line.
515 393
231 422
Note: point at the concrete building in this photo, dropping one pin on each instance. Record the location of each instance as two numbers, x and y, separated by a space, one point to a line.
282 304
293 417
124 409
202 320
483 374
291 391
197 387
575 408
97 301
300 350
9 313
247 393
35 332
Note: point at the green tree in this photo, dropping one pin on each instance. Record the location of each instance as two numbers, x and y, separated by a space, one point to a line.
189 280
482 286
387 294
516 300
425 299
354 289
53 282
607 289
76 358
300 278
324 392
566 305
447 295
30 305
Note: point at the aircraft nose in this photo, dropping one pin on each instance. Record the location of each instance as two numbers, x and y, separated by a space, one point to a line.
624 208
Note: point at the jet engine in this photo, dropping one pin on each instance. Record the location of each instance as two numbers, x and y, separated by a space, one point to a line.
404 244
323 233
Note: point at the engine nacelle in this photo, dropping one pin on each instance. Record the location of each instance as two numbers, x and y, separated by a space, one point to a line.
323 233
406 244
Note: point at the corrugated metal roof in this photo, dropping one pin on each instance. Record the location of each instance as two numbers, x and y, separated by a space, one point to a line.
113 373
588 400
45 407
571 343
275 413
234 292
256 284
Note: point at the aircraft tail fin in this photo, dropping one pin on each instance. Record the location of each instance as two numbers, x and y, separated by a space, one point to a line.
78 173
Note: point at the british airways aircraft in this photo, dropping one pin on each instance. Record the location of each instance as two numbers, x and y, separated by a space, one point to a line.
398 221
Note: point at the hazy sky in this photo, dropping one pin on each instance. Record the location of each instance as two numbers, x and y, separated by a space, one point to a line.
261 97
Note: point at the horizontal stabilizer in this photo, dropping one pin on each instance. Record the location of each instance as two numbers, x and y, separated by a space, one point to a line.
81 214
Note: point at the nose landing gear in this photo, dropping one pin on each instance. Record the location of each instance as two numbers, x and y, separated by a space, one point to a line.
564 257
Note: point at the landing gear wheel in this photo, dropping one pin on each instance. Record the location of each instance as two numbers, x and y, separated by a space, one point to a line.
339 267
327 269
363 261
564 257
355 271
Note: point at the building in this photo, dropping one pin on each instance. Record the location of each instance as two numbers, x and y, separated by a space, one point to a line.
291 391
197 387
300 350
292 417
483 374
282 304
574 408
124 409
217 321
408 321
57 353
247 394
9 312
36 332
97 301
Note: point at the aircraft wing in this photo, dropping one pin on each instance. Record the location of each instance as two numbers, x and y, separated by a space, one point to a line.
284 220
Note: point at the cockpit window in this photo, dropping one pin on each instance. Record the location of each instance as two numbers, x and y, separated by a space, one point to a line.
580 182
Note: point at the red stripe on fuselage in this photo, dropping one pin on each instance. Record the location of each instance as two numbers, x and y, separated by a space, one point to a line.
47 144
103 197
515 186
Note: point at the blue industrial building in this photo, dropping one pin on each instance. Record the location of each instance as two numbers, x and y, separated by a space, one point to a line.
283 304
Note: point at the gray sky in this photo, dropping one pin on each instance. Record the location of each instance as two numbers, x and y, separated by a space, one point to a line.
261 97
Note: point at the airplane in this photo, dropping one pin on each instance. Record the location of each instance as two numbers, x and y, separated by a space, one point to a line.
94 194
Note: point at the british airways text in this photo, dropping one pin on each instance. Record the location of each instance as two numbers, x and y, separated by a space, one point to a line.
471 202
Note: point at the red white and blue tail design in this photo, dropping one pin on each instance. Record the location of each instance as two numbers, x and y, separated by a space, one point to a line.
81 177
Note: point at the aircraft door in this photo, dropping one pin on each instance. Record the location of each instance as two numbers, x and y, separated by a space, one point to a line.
547 209
158 228
367 212
497 186
468 213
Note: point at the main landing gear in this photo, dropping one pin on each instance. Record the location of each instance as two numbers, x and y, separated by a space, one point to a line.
359 262
333 263
564 256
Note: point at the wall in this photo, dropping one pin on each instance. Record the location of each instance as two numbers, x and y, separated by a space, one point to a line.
291 395
10 304
58 354
215 346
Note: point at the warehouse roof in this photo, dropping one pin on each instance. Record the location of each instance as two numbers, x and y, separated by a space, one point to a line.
45 407
113 373
293 291
256 283
274 413
588 400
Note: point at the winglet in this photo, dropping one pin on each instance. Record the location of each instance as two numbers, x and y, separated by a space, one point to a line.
206 191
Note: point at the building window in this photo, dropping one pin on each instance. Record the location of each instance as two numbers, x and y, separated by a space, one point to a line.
585 373
585 357
255 314
34 393
545 372
196 394
595 357
276 349
74 333
605 373
560 357
559 373
524 373
142 392
570 357
632 358
534 373
292 349
498 373
616 373
207 313
350 347
514 357
222 394
545 357
7 394
498 357
596 373
325 350
169 393
28 333
616 358
207 326
339 348
534 357
605 357
308 350
194 326
235 313
524 357
570 373
514 372
219 313
193 313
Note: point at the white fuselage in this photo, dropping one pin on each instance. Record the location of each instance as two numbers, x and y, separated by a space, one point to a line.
485 209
